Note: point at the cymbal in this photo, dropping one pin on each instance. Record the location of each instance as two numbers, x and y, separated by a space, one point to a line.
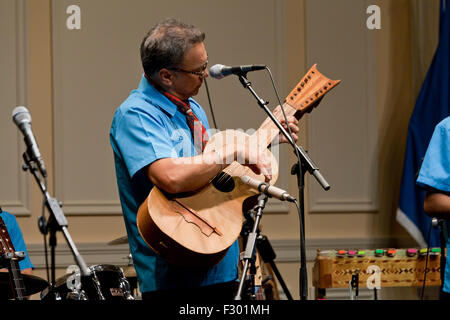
121 240
33 284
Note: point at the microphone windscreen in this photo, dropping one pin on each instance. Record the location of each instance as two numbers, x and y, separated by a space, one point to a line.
21 114
216 71
245 179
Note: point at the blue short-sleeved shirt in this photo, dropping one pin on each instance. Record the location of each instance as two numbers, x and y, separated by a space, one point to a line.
17 238
435 173
147 127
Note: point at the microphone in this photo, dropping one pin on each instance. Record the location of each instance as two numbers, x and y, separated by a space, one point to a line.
268 189
22 118
218 71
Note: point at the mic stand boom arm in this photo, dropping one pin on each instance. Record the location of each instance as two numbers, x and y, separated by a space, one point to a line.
57 221
304 162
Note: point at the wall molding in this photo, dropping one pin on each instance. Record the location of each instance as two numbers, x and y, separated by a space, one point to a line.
355 189
21 206
287 250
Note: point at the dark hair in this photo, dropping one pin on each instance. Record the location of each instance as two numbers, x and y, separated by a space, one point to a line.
166 43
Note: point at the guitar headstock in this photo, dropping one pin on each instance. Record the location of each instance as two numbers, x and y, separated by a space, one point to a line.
309 91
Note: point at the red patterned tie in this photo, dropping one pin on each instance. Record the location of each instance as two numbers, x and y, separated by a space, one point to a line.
198 131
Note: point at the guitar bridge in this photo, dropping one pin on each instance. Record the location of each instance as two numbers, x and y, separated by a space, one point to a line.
191 216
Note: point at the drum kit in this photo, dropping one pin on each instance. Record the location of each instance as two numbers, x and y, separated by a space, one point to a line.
105 282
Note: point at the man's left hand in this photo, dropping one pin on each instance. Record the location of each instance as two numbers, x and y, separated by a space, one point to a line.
293 125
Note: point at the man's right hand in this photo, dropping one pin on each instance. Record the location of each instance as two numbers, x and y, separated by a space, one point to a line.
251 157
177 175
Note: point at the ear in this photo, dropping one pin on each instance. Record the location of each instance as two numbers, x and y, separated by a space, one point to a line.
166 77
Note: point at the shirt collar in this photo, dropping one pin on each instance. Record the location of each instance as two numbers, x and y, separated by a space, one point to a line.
155 97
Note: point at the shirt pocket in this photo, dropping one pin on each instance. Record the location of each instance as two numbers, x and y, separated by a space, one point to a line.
182 144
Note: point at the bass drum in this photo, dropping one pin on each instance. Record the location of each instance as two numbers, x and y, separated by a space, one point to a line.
106 282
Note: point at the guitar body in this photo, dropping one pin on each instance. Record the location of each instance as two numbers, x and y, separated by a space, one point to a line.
196 229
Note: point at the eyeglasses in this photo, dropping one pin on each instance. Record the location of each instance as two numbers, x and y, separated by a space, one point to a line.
200 73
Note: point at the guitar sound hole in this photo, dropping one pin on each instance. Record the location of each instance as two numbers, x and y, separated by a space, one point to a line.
223 182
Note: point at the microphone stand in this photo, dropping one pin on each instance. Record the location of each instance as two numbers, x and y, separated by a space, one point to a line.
304 164
57 222
443 239
249 253
264 249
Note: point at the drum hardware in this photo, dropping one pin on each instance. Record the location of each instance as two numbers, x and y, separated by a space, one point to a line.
131 276
97 286
126 289
76 295
129 271
105 282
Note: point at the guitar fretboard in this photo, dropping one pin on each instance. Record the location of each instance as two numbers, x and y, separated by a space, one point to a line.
268 130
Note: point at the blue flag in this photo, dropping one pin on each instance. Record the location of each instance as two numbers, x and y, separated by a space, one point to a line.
432 106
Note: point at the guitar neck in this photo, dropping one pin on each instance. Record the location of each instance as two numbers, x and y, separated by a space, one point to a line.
16 280
268 130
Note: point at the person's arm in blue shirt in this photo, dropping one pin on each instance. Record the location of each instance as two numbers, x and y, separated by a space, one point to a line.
435 172
192 173
195 172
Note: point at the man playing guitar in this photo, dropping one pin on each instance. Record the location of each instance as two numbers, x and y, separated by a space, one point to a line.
158 124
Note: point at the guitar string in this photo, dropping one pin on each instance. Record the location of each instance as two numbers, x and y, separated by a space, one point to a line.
223 178
2 240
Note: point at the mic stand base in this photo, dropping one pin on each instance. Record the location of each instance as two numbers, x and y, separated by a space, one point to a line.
298 169
268 255
52 227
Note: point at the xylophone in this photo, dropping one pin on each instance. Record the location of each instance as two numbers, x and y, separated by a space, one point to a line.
397 268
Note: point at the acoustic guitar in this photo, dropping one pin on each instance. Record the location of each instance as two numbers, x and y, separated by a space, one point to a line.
11 258
196 229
